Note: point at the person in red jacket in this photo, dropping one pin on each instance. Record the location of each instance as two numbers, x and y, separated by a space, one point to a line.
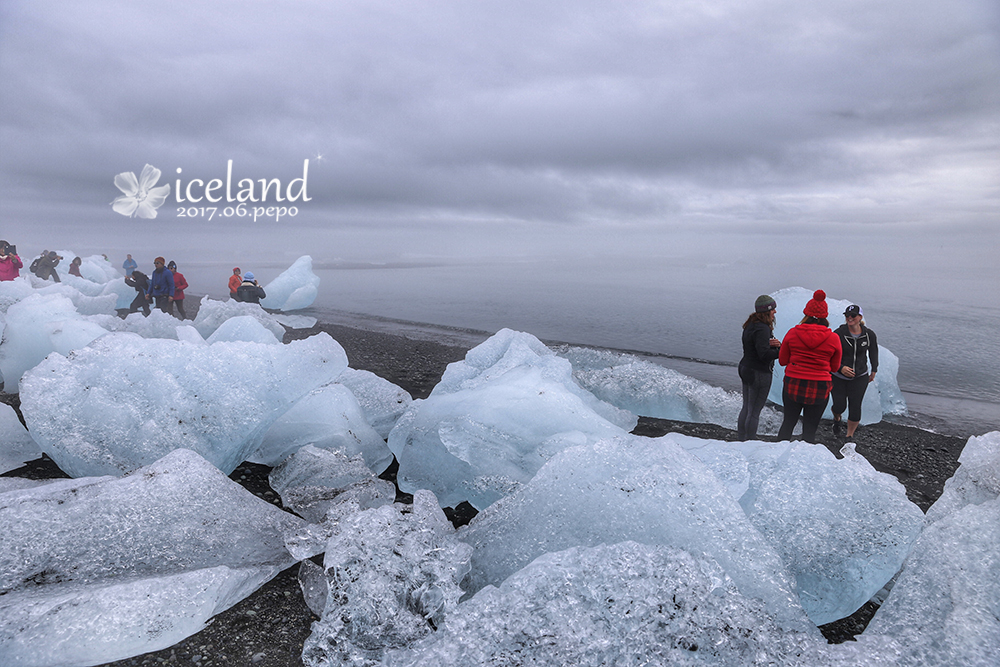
810 352
10 263
234 283
180 284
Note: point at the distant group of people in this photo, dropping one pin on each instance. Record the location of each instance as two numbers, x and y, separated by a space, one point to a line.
43 266
818 362
164 286
245 288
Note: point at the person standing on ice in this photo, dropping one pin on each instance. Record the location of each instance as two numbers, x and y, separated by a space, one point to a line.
858 345
760 349
180 284
234 284
161 286
10 263
140 281
249 291
810 352
129 265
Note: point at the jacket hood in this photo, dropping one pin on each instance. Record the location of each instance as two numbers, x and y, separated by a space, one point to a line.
812 335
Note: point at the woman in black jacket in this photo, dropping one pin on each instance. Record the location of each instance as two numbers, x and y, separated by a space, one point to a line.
859 346
760 349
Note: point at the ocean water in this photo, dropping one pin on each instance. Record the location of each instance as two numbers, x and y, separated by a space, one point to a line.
684 314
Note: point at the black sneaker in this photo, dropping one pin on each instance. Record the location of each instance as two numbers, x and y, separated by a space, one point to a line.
838 426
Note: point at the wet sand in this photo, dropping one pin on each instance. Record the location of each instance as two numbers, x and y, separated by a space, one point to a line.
268 628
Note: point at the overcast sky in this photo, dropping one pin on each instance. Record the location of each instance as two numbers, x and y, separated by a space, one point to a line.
444 127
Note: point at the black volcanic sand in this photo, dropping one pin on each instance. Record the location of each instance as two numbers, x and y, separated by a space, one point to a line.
269 627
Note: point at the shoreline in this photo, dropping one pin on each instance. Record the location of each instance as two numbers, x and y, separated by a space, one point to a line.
269 627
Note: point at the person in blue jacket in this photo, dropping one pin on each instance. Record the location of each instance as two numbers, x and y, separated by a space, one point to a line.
161 286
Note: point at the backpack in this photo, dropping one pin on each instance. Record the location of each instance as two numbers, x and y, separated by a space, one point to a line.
34 265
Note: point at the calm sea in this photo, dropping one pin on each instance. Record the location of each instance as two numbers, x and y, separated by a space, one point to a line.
685 315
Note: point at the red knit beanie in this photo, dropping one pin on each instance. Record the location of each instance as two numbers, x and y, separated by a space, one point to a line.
817 305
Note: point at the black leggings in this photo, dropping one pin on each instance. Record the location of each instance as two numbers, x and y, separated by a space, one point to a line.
849 393
811 415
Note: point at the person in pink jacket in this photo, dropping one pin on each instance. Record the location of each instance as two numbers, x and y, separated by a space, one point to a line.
810 352
10 263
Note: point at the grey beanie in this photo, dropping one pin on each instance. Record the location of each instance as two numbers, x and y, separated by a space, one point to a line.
764 303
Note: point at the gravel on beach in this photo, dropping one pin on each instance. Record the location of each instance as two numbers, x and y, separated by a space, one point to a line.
268 628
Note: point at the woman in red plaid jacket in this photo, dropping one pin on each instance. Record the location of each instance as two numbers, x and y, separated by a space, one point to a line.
809 353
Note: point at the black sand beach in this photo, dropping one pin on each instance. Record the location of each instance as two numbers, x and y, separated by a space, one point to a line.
268 628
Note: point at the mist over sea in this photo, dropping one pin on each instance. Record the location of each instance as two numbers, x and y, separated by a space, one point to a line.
684 313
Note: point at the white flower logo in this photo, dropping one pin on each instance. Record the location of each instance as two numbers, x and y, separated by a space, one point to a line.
140 198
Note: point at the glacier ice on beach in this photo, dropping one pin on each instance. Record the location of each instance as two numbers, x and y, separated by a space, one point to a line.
125 401
99 569
494 419
614 604
243 328
38 325
328 417
296 288
381 401
16 445
316 482
212 314
630 488
883 395
945 606
647 389
392 575
977 479
841 527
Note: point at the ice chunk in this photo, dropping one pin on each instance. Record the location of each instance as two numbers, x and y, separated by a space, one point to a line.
494 419
630 488
842 528
382 402
295 321
115 567
945 606
392 575
619 604
294 289
16 446
158 325
212 314
977 479
12 291
328 417
245 328
888 399
314 482
38 325
125 401
648 389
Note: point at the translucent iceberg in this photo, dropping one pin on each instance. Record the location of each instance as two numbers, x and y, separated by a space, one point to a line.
945 606
841 527
16 445
648 389
125 401
100 569
328 417
381 401
619 604
38 325
294 289
212 314
392 575
315 483
496 418
244 328
977 479
630 488
888 399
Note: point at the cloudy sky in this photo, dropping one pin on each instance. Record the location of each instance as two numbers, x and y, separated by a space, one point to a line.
456 127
